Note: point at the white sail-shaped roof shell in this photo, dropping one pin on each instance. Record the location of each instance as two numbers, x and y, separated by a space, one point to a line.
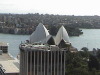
39 34
62 35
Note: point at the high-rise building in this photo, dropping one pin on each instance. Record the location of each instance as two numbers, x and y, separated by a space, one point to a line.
43 61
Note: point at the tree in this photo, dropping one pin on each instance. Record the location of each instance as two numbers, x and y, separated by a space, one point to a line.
93 63
98 53
75 65
53 30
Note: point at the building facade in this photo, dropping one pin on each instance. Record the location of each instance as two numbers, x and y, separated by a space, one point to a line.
42 61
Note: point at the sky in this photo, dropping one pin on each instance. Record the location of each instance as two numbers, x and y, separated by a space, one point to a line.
61 7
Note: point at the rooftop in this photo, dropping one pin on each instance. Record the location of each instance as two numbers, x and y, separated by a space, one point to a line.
40 47
9 64
5 57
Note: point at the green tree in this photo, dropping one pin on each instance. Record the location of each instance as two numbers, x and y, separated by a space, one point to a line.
75 65
93 63
53 30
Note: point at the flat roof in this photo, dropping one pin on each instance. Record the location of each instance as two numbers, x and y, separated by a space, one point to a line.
41 47
5 57
9 64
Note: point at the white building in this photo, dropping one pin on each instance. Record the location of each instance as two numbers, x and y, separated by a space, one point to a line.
45 59
39 34
62 35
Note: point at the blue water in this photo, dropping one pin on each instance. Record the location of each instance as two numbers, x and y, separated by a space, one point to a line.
14 41
90 39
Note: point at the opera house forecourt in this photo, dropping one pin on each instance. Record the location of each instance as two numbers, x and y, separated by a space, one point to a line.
44 54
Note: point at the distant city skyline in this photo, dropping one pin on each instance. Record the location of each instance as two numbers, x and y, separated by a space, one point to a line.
61 7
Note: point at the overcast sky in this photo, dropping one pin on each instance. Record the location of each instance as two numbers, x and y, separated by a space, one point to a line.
64 7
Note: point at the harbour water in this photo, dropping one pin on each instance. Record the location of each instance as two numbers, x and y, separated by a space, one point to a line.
13 41
90 38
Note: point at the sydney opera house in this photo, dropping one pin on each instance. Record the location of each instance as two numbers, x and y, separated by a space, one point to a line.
44 54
